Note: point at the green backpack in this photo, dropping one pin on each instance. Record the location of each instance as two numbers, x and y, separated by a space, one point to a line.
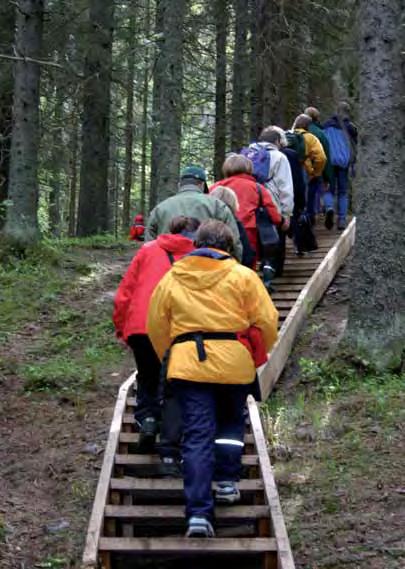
296 141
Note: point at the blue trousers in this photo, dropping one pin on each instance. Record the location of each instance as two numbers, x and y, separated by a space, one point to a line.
213 433
314 192
339 186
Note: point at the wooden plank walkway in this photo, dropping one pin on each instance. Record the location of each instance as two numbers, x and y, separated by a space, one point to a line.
139 516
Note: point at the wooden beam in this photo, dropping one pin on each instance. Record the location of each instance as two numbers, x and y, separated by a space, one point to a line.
285 558
90 555
308 298
149 512
151 459
134 437
170 484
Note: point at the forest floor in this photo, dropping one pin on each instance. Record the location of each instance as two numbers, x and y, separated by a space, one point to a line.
337 440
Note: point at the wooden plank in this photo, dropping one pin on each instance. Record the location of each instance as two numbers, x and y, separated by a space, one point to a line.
134 437
284 554
150 459
163 545
165 484
307 299
90 555
177 512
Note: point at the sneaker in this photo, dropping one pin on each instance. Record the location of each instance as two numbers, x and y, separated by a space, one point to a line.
341 225
268 276
147 435
170 468
227 493
198 526
329 219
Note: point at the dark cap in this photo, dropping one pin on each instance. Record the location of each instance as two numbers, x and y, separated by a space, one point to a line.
194 172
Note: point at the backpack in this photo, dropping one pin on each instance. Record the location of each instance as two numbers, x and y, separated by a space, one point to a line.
260 157
339 147
303 234
296 141
267 234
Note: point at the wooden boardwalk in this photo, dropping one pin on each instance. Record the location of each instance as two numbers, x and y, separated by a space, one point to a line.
137 516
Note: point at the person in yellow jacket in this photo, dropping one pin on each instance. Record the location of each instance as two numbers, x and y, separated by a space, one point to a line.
315 157
194 315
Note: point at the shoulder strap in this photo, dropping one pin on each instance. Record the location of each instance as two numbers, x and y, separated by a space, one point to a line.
171 258
260 195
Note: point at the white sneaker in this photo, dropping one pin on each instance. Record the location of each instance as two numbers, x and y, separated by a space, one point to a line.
227 493
199 527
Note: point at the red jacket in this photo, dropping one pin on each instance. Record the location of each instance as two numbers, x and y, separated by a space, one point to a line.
136 232
245 187
145 271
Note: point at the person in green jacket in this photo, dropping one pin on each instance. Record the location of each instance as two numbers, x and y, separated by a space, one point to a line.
316 185
192 200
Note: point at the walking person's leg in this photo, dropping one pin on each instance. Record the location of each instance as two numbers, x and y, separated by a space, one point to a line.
171 430
147 409
329 199
342 196
197 402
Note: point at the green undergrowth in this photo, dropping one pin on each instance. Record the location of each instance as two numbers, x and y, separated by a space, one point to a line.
56 333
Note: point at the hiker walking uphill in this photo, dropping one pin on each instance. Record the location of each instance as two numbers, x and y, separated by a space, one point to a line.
131 303
195 314
312 156
316 185
192 200
342 136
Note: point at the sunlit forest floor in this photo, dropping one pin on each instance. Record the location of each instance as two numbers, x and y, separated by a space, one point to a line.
336 436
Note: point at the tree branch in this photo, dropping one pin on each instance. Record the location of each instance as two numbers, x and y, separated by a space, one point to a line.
30 60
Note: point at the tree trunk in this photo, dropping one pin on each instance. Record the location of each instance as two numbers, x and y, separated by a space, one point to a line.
167 116
240 77
129 122
376 327
261 103
22 223
145 104
7 19
73 175
256 86
93 199
221 24
57 166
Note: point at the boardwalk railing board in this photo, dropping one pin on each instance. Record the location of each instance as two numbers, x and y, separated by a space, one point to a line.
127 506
308 298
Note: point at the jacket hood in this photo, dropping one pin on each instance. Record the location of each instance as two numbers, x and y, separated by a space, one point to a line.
176 244
200 273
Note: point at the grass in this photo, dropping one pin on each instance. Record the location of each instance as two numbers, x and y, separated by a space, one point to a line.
48 307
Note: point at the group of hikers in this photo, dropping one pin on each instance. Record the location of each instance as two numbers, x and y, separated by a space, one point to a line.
199 320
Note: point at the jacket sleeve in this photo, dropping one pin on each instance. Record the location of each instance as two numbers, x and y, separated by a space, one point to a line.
317 155
282 178
152 228
124 294
268 203
261 310
226 216
158 320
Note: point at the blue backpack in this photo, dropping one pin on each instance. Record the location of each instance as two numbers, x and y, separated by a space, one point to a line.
260 157
339 147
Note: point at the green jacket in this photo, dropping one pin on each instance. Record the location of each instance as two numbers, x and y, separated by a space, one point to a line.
315 129
191 202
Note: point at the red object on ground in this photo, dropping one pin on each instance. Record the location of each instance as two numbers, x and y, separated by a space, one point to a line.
149 265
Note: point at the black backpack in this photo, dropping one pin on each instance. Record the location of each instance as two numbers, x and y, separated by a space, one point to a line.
268 238
304 237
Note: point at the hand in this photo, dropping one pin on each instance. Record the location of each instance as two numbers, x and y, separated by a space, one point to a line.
285 226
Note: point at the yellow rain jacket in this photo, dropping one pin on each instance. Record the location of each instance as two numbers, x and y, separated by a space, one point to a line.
210 295
315 160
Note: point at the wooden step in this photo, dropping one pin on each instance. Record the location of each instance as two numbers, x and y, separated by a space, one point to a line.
147 459
166 484
176 513
134 437
146 545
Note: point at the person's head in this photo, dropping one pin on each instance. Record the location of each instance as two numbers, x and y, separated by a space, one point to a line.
187 226
227 196
269 134
139 218
215 234
343 110
302 121
314 113
236 164
194 175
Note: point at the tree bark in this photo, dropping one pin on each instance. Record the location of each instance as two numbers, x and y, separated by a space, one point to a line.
240 77
376 325
221 25
57 166
22 223
73 174
167 115
129 121
7 19
145 105
93 199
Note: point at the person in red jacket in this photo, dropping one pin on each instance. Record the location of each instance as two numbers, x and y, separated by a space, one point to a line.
131 303
137 230
237 170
